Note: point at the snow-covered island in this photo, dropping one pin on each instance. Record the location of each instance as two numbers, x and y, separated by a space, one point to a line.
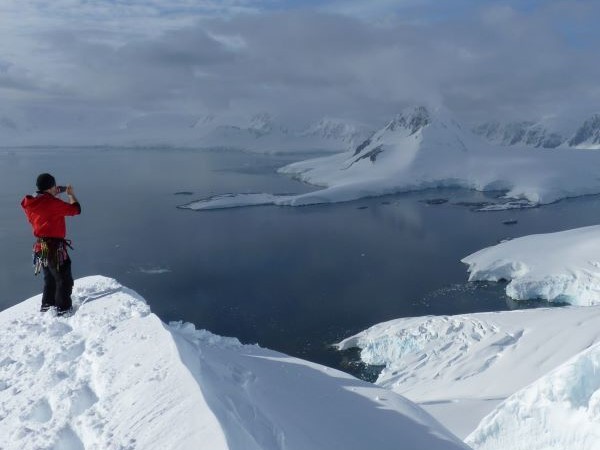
113 376
421 149
561 267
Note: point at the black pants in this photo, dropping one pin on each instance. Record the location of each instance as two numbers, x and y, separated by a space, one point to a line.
58 286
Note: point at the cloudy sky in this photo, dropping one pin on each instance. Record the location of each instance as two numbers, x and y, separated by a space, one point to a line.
103 62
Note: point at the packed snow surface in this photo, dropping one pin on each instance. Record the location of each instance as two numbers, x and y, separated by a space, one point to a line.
113 376
460 367
559 411
558 267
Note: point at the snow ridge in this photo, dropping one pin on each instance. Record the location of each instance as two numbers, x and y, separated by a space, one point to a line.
113 376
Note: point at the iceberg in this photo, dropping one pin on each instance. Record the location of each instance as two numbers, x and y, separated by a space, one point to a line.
114 376
559 267
224 201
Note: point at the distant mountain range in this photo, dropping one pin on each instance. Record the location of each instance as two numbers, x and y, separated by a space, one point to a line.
262 132
423 148
519 133
259 132
537 135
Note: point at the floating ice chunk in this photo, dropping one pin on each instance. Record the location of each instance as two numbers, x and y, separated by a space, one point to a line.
154 270
518 204
236 201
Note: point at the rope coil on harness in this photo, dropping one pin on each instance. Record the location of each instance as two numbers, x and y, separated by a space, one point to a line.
50 251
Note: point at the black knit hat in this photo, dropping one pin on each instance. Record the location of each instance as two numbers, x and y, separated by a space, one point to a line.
44 182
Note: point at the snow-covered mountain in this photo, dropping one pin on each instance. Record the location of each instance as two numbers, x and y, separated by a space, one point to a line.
332 129
534 134
422 148
411 151
113 376
259 132
519 133
149 123
588 135
407 140
256 126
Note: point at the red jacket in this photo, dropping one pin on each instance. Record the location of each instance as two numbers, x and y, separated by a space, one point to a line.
46 213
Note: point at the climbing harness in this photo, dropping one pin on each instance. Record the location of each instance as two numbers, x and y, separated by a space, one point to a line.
50 251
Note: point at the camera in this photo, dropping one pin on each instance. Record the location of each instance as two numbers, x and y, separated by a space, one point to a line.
61 189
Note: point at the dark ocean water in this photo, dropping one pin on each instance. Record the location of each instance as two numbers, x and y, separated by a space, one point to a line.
291 279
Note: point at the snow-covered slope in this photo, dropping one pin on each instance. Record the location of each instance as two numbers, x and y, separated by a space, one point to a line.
558 267
588 135
460 367
519 133
114 376
424 149
404 143
561 410
332 129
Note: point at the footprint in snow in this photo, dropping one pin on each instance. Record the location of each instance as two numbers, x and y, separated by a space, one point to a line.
36 362
41 412
82 399
68 440
72 352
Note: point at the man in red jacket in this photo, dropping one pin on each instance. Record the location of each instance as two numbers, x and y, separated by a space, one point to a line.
46 213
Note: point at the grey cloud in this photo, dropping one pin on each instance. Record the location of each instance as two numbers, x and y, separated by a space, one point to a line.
497 63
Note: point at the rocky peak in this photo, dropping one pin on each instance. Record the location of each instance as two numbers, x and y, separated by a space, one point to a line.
519 133
261 123
413 119
588 133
